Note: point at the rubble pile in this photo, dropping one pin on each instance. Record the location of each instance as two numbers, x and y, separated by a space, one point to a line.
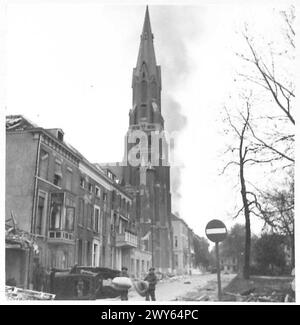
255 297
14 293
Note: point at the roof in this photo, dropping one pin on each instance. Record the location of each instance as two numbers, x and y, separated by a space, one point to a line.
177 218
146 51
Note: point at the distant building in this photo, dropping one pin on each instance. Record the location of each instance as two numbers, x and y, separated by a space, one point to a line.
229 264
183 251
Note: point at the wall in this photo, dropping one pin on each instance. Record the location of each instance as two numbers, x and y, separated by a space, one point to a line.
21 153
16 265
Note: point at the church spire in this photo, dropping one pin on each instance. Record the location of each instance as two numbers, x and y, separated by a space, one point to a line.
146 51
146 82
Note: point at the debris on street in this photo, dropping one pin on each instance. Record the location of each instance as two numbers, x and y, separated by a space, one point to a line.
14 293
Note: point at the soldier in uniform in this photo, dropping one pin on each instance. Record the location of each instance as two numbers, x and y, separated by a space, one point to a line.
152 280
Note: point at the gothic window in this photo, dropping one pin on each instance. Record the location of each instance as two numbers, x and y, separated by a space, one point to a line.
144 91
143 111
153 89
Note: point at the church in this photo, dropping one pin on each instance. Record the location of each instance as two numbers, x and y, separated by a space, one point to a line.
145 170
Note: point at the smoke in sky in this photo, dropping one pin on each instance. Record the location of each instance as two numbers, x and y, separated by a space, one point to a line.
175 27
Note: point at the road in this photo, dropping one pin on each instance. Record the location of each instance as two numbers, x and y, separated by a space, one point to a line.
187 288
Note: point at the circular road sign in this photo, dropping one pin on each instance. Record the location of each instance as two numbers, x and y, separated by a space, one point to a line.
216 231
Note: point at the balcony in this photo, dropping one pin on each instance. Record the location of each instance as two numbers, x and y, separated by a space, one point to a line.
126 240
60 237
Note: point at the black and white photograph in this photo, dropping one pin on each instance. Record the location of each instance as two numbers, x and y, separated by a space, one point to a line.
148 152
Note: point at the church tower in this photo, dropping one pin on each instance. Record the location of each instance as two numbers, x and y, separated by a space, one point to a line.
146 173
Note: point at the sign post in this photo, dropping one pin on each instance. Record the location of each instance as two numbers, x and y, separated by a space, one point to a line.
216 232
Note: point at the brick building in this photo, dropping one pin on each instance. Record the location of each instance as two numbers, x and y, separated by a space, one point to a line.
77 212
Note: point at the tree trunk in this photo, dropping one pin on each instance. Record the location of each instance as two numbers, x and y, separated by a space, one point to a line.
246 270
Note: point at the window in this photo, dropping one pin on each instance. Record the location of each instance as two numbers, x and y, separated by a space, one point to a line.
97 191
81 211
104 196
80 251
88 253
144 91
57 173
41 213
60 136
95 261
57 200
90 187
69 175
69 220
110 174
90 216
44 164
176 241
96 222
57 180
82 182
121 226
153 89
143 111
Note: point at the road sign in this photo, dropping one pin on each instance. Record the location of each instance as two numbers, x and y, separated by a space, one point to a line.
216 231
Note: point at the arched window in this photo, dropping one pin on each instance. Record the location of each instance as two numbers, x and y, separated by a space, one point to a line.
153 90
144 91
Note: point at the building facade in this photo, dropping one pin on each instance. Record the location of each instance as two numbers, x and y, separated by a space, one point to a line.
183 251
77 212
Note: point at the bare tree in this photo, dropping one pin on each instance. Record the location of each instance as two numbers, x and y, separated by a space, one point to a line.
262 136
270 74
244 150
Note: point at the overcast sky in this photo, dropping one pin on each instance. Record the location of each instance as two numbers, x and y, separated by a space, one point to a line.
70 66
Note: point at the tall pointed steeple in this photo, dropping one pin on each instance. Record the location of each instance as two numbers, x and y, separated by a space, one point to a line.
146 51
146 82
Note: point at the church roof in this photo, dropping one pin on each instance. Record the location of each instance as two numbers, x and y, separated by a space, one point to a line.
146 51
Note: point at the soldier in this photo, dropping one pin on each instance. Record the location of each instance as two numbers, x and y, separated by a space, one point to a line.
124 293
38 275
152 280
